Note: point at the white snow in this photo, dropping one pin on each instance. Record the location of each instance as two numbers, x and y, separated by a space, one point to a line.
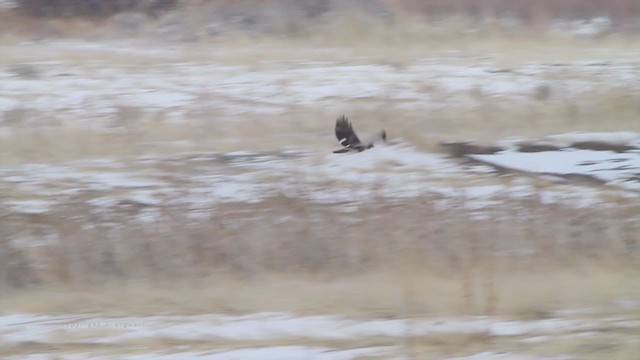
92 93
7 104
269 326
297 353
31 207
606 166
158 99
292 352
395 171
489 355
24 328
89 96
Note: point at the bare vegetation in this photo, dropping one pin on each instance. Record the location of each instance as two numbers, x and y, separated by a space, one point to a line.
523 259
377 257
88 8
136 130
202 20
620 10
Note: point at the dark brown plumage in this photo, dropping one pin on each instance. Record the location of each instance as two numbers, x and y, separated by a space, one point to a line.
349 140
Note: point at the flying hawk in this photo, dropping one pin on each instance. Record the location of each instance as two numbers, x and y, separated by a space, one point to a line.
348 138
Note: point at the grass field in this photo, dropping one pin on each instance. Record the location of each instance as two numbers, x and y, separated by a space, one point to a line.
366 262
78 115
518 262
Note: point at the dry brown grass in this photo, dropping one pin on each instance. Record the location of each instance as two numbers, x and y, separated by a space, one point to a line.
353 30
404 259
591 348
377 294
138 131
344 39
288 255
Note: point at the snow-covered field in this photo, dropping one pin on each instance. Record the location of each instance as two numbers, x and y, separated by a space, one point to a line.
71 85
198 181
222 336
110 89
166 80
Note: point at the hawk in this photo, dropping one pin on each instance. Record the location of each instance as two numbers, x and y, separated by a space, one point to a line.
349 140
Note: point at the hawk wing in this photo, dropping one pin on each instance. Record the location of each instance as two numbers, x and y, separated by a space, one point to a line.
345 133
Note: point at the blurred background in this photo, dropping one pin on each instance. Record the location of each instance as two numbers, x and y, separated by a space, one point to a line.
168 187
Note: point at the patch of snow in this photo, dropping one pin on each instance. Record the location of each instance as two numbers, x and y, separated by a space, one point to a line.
537 339
31 207
7 104
483 191
174 88
291 352
241 153
266 326
144 197
607 166
158 99
490 355
390 171
583 28
102 181
298 352
22 328
103 201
